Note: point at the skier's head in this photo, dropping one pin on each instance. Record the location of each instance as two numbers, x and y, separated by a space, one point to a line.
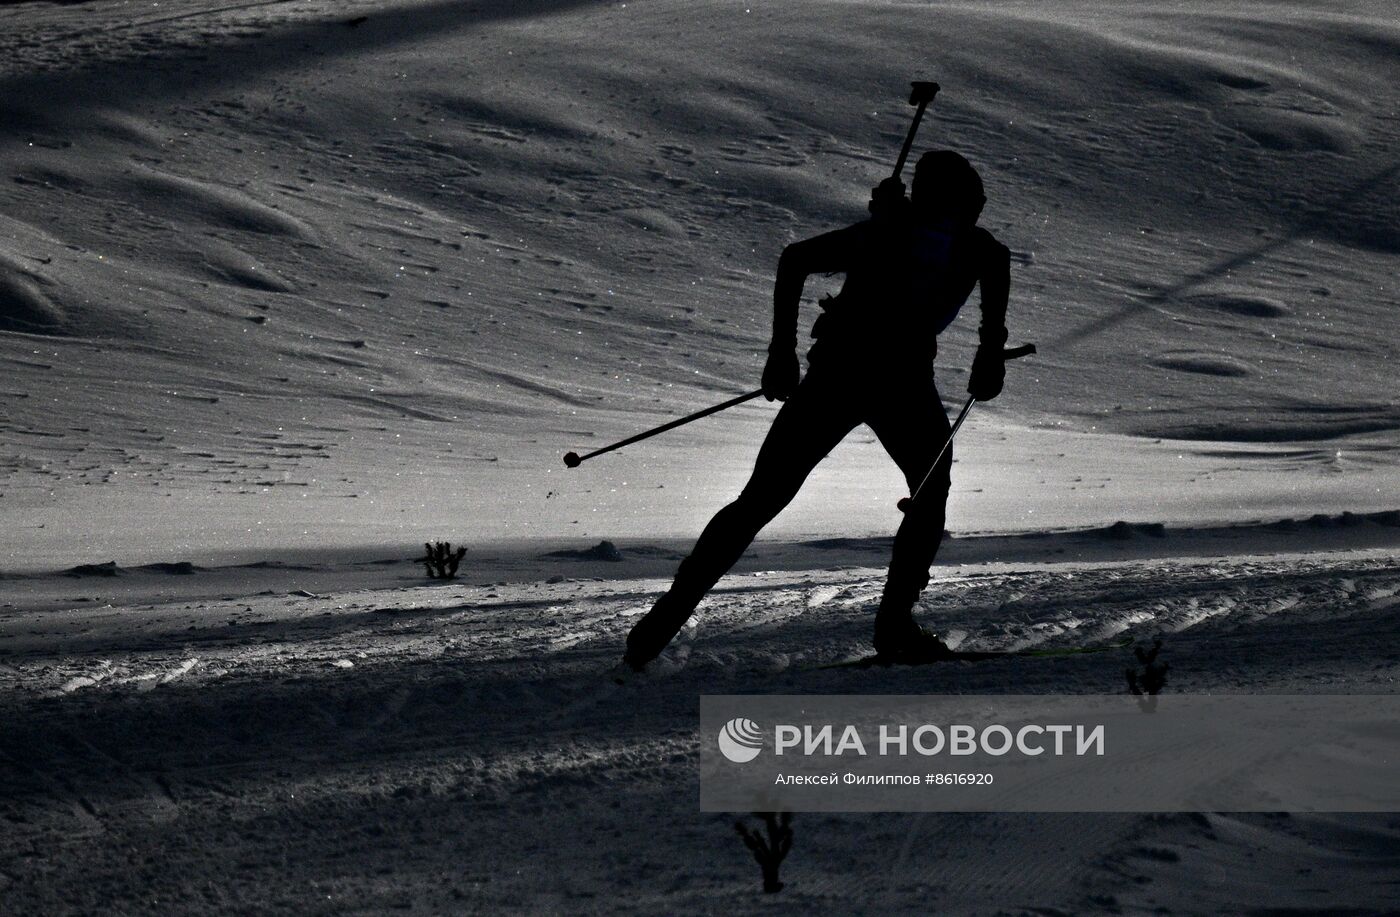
946 186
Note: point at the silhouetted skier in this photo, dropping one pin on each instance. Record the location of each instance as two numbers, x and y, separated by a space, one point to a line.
908 271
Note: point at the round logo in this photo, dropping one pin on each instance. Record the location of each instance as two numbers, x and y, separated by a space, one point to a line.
740 740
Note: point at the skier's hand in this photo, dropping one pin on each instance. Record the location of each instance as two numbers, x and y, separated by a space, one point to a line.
781 374
887 198
988 374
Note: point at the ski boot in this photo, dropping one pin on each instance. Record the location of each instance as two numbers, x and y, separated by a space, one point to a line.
658 627
907 643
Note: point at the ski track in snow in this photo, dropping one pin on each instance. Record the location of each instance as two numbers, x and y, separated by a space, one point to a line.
471 718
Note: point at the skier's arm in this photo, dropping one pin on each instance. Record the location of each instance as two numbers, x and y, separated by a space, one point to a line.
995 281
825 254
989 366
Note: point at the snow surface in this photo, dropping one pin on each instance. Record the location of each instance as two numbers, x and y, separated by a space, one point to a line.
288 287
271 279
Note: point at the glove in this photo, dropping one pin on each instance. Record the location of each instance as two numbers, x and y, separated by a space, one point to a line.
781 374
887 199
988 373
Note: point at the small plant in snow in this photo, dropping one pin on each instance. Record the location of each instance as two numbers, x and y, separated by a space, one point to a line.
1148 682
440 560
771 850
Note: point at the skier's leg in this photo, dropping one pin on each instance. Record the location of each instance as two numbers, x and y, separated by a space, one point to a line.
808 426
913 427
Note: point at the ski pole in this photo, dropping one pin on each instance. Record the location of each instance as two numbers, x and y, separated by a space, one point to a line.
1009 354
573 459
921 95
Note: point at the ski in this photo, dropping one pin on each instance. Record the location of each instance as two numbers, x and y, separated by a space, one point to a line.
875 659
